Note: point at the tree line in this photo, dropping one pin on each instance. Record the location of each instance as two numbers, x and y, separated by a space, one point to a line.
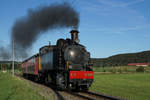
122 59
116 60
7 65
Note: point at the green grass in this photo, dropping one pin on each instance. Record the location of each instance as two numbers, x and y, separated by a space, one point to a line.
13 88
133 86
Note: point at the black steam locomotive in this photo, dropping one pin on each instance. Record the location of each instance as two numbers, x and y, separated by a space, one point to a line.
65 64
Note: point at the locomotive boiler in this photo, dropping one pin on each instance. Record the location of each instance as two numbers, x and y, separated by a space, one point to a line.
65 65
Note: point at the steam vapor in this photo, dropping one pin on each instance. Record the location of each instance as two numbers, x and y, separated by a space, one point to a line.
27 29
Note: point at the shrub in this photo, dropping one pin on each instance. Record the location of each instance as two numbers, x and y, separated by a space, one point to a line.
140 69
111 70
125 69
119 70
104 70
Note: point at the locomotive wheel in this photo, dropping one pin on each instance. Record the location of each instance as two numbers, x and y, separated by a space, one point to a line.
84 88
73 87
47 79
60 82
41 78
36 79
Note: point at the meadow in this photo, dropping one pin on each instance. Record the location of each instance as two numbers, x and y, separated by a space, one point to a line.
132 86
13 88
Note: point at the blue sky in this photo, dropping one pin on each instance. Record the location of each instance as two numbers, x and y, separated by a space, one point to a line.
107 27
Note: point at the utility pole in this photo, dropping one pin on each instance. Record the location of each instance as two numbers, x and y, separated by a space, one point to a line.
13 54
49 43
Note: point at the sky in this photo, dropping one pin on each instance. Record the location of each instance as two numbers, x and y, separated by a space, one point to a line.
107 27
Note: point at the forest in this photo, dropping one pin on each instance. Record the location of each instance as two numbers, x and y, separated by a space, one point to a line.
122 59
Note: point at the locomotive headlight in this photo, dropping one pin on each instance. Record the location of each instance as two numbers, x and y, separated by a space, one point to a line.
71 53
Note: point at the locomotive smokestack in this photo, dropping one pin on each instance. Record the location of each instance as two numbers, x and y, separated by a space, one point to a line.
74 36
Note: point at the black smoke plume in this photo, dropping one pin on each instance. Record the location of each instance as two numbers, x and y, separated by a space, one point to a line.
27 29
5 53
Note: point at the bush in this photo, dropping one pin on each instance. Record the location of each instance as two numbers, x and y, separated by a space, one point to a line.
140 69
125 69
119 70
104 70
110 70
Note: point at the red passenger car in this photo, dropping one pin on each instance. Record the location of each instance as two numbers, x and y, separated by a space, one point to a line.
30 66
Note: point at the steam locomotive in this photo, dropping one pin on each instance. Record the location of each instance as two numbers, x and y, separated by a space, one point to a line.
65 65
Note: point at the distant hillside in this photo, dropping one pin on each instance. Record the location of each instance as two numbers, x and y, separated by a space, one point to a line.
4 62
8 62
122 59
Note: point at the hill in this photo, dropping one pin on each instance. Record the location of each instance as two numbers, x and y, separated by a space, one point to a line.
122 59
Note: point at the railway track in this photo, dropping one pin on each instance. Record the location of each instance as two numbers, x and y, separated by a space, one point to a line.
67 95
89 95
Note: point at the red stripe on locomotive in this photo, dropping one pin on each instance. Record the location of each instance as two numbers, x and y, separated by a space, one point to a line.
81 74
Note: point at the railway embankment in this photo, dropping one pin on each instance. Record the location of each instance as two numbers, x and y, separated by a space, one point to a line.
15 88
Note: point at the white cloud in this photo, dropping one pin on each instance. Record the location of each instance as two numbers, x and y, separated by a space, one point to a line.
125 18
115 3
120 30
107 7
3 41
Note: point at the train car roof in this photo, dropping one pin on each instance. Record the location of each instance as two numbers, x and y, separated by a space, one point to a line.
47 46
36 55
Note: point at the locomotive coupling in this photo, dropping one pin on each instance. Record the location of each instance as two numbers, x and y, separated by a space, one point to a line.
74 36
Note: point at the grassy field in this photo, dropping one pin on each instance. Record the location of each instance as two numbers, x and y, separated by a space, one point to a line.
131 86
13 88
